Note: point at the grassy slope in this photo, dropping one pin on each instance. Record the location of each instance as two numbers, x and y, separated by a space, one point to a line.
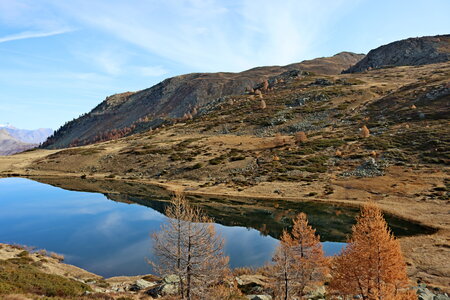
233 150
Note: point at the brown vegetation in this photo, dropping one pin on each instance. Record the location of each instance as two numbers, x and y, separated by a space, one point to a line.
365 132
372 263
300 137
299 260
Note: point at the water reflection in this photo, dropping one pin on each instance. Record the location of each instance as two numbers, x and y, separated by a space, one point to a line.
111 238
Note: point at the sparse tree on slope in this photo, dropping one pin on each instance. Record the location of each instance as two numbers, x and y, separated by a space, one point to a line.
189 247
372 264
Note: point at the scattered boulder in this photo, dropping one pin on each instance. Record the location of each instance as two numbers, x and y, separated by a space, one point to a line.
423 293
259 297
166 287
141 284
252 284
321 82
370 168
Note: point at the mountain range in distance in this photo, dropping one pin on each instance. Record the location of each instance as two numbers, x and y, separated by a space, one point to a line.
14 140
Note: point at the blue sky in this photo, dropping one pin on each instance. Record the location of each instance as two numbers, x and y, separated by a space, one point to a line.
60 58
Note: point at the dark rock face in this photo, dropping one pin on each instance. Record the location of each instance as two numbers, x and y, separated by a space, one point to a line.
409 52
176 96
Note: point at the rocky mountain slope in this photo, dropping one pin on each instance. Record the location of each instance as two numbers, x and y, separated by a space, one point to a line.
408 52
36 136
177 97
10 145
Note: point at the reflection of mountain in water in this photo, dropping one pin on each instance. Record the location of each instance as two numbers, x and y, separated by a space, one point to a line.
332 222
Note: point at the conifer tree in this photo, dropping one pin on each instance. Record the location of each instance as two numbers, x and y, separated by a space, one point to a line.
263 104
299 260
188 246
372 264
365 132
300 137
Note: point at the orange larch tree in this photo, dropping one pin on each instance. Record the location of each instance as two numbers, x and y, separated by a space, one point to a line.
299 260
372 264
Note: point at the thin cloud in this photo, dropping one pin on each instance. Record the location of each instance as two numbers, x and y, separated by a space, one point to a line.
32 34
153 71
211 35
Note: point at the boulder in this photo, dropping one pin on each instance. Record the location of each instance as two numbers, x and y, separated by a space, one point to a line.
259 297
252 284
166 287
424 294
141 284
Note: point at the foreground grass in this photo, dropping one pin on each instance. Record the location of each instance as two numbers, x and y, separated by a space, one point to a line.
22 276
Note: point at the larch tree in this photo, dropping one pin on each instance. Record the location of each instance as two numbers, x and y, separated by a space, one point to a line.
283 271
372 264
265 85
263 104
299 260
300 137
188 246
365 132
309 254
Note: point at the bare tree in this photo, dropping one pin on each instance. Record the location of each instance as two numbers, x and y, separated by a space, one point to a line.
188 246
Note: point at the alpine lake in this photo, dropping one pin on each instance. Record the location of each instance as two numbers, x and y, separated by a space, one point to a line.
104 226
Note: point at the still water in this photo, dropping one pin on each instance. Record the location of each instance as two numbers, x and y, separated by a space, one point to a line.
109 234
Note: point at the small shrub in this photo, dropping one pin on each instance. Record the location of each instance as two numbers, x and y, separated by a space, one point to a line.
300 137
57 256
365 132
24 253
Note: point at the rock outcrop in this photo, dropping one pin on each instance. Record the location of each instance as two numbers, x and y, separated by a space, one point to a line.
409 52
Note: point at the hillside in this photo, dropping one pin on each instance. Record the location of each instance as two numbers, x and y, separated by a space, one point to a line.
408 52
236 147
175 98
10 145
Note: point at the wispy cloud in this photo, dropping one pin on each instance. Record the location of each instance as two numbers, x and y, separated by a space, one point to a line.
153 71
211 35
33 34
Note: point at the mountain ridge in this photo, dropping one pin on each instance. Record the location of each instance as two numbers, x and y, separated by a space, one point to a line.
176 96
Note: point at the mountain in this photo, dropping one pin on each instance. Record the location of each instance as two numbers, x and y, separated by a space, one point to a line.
10 145
36 136
176 97
408 52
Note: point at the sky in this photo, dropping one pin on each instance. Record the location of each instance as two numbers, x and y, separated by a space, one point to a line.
60 58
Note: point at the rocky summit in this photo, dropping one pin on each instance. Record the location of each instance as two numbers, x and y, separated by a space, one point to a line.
409 52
